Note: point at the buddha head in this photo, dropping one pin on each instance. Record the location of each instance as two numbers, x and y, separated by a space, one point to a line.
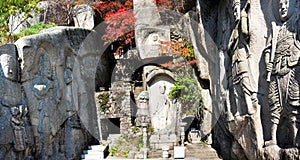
9 67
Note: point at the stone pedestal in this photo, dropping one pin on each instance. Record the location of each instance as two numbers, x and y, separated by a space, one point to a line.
165 153
179 152
158 141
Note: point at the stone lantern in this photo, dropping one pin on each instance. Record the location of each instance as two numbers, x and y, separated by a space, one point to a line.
182 134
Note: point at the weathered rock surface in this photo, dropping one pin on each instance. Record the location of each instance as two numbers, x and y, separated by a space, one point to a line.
53 93
242 136
50 12
84 16
15 24
252 67
55 12
10 96
245 129
149 30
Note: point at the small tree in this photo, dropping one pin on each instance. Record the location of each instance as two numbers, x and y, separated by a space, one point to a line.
119 18
14 7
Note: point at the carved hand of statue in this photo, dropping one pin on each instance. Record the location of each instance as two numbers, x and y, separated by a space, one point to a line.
269 67
267 53
269 64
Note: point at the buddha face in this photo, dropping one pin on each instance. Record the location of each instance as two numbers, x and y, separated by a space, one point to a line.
286 9
9 67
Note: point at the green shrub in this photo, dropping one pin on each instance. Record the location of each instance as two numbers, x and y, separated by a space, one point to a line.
103 99
125 144
14 7
140 144
34 29
121 148
175 91
189 92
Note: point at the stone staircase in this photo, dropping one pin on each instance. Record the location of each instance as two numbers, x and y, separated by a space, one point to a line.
158 154
192 152
95 152
201 151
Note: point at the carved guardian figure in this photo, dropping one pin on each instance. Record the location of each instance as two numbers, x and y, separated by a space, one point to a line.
245 99
284 69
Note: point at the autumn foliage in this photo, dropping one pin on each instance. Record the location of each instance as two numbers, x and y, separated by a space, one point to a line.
106 7
119 18
164 3
179 48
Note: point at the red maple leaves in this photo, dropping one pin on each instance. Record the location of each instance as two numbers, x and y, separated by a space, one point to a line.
119 19
164 3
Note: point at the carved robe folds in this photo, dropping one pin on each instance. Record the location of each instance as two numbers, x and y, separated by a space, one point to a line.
284 86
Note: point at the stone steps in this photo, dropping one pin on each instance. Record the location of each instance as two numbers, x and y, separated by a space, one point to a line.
158 154
94 152
201 151
194 151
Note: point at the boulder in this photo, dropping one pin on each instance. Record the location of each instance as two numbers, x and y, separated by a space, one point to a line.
50 12
54 92
84 16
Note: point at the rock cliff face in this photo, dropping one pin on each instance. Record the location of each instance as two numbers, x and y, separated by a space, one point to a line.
254 44
247 56
42 105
